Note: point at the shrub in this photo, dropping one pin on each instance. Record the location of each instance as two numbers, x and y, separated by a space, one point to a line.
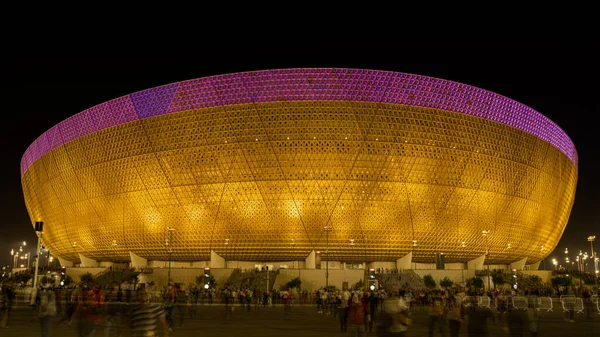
475 282
446 282
294 283
429 281
359 285
498 279
87 278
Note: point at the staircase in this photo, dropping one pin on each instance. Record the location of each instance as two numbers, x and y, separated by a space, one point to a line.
411 280
109 277
404 279
252 279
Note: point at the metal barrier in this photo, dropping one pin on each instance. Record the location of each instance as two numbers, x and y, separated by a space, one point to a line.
484 301
596 301
567 302
520 302
579 305
545 303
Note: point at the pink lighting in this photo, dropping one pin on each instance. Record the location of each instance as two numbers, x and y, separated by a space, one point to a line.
329 84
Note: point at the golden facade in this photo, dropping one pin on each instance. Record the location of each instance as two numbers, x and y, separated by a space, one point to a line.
258 178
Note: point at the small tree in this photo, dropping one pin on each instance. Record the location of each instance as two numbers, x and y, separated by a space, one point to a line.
68 280
22 278
429 281
211 281
294 283
498 279
475 282
331 288
359 285
560 281
87 278
446 282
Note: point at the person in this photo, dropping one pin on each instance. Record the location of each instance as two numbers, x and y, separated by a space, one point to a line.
169 304
357 310
395 317
477 319
287 304
373 303
501 305
146 318
226 299
69 308
46 307
342 307
8 297
587 302
120 295
454 315
90 303
180 300
437 314
517 322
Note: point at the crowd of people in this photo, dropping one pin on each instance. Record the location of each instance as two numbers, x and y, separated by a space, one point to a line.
448 311
388 312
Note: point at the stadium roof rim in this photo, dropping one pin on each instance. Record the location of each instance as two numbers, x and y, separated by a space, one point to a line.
303 84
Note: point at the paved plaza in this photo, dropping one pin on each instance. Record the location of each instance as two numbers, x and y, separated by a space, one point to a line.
304 321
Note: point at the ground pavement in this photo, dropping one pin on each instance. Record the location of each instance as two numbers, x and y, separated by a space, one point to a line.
270 321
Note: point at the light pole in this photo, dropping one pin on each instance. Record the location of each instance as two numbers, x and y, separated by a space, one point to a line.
15 259
352 244
170 230
28 254
48 259
293 257
39 230
543 251
226 250
327 229
114 247
591 239
555 263
487 253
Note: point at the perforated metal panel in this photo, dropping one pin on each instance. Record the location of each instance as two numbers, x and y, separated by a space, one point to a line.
266 169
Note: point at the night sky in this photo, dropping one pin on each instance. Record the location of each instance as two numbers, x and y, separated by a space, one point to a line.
44 86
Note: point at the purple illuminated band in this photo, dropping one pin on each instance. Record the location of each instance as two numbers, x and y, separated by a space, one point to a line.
302 84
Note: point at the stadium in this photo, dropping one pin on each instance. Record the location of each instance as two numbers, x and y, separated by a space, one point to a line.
282 166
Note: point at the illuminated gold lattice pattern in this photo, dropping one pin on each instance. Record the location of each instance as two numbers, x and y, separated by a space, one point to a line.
262 175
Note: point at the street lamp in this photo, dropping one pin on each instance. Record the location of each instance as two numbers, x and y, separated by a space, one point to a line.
487 252
170 251
39 230
293 257
327 229
555 263
15 259
28 254
114 247
544 251
226 255
591 239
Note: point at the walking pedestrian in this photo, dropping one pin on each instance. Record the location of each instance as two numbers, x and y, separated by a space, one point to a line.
46 307
146 319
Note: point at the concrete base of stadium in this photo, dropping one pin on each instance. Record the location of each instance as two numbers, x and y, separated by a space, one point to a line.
315 271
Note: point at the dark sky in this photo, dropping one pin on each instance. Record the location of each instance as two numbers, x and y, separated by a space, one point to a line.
47 85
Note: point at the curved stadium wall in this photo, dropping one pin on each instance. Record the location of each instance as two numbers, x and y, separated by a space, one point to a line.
265 160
